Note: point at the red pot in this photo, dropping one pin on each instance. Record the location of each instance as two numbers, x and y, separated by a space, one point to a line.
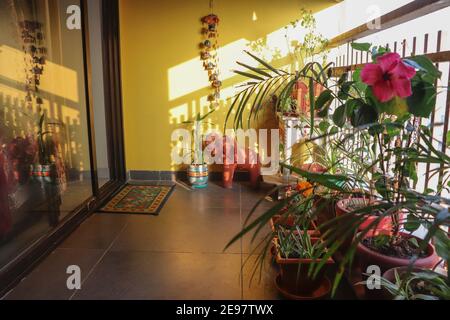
368 257
294 274
384 225
313 168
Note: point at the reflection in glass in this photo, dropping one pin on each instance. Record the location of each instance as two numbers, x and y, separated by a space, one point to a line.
44 150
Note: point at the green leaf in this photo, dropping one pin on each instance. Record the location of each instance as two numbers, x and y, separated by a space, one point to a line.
442 244
323 126
257 70
339 116
414 242
248 75
364 115
359 85
427 65
324 98
344 90
265 64
312 101
343 78
334 182
423 100
380 186
412 223
323 103
361 46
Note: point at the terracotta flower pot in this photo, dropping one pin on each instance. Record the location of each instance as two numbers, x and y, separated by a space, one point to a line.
342 209
313 168
368 257
294 276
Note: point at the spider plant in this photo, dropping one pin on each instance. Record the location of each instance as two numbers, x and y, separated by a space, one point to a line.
421 285
197 149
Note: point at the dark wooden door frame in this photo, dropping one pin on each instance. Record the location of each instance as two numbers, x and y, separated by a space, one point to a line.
11 274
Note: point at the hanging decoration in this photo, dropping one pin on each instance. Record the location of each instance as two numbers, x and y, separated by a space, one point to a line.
208 54
35 59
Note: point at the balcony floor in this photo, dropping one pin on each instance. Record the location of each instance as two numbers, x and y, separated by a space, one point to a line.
176 255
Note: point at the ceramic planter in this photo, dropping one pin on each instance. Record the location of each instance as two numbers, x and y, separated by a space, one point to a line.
198 175
368 257
294 278
43 173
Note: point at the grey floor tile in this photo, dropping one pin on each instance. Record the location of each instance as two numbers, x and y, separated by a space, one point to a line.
48 280
150 275
97 232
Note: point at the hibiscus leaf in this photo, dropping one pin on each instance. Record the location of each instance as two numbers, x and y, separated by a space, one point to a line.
421 103
339 116
426 64
324 98
363 115
361 46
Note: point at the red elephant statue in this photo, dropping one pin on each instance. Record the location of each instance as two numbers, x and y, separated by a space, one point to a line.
235 158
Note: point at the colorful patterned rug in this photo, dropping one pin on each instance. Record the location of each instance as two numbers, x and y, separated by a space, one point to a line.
139 199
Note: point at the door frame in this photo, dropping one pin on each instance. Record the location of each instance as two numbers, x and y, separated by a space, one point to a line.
19 267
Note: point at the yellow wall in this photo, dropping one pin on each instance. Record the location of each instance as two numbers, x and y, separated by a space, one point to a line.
162 77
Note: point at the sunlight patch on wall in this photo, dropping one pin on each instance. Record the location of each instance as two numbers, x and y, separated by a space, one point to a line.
56 79
190 76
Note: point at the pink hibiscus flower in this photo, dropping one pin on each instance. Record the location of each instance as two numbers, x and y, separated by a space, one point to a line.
389 77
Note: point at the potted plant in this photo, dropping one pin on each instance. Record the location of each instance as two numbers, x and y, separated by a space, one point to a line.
197 171
384 122
296 251
414 284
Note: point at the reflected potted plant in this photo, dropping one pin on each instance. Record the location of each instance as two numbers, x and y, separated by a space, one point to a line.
22 152
44 169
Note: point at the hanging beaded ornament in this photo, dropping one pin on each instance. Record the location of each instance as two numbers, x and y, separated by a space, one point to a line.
208 54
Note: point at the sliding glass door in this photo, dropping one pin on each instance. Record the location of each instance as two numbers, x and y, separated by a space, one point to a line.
54 132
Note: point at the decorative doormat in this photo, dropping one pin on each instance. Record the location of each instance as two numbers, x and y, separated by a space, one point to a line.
139 199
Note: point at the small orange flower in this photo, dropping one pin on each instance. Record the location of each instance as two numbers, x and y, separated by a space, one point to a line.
305 188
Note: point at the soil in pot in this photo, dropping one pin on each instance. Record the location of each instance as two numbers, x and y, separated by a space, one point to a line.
400 247
393 254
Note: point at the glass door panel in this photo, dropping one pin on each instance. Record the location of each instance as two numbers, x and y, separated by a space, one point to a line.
44 143
98 97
